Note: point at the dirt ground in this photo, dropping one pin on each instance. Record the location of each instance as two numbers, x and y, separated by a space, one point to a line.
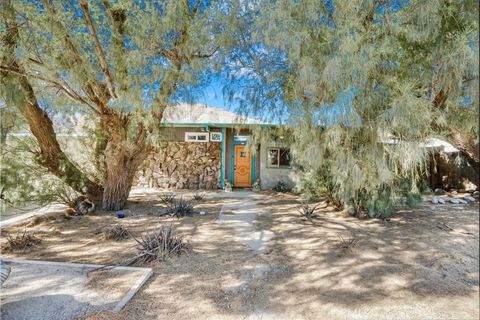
422 264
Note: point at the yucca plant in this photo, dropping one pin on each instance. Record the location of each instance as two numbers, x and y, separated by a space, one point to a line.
199 196
181 208
167 198
160 245
308 210
347 244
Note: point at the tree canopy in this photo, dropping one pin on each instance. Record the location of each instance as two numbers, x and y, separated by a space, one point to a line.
365 83
360 84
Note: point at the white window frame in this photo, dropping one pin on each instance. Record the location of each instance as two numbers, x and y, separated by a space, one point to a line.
215 133
188 136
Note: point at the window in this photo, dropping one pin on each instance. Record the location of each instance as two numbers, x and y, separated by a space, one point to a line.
216 136
196 136
278 157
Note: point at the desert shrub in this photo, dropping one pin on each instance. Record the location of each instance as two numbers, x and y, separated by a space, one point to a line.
116 232
160 244
199 196
320 183
282 186
307 210
412 192
21 241
181 208
167 198
25 182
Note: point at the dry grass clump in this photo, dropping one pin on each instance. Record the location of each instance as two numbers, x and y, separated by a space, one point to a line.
115 232
21 241
160 244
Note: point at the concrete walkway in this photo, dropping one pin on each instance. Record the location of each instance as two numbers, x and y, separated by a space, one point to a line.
38 290
241 215
14 216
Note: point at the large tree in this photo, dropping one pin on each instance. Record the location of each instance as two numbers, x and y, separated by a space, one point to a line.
365 82
118 62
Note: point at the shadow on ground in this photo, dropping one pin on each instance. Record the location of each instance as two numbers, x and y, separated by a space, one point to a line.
423 263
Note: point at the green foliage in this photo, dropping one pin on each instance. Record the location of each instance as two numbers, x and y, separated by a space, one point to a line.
282 186
24 181
364 86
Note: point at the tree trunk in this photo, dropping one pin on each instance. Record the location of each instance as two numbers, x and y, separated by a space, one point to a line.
469 147
122 159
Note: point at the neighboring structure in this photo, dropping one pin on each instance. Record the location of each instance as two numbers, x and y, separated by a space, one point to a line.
448 169
203 147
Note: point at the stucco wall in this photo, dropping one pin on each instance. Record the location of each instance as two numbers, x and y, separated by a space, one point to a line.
270 176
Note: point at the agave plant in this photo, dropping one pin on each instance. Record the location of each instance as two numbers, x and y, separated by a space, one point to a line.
199 196
160 245
167 198
307 210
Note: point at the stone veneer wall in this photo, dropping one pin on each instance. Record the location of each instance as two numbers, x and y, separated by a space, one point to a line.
182 165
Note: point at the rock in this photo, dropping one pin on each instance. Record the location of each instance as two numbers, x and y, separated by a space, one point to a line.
461 201
454 201
182 165
441 201
435 200
440 192
476 194
454 192
469 199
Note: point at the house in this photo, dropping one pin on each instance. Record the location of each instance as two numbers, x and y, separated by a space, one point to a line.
204 147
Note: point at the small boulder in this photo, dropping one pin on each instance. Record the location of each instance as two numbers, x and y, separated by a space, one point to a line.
454 201
454 192
476 193
435 200
461 201
440 191
469 198
441 201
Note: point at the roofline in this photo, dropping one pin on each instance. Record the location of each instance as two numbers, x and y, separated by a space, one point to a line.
223 125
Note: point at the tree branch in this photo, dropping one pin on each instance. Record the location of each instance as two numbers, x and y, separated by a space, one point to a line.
77 60
98 48
64 87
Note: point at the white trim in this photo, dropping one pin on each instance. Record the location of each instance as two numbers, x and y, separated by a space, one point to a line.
194 136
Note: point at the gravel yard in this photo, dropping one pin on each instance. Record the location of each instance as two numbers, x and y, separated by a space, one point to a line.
254 257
